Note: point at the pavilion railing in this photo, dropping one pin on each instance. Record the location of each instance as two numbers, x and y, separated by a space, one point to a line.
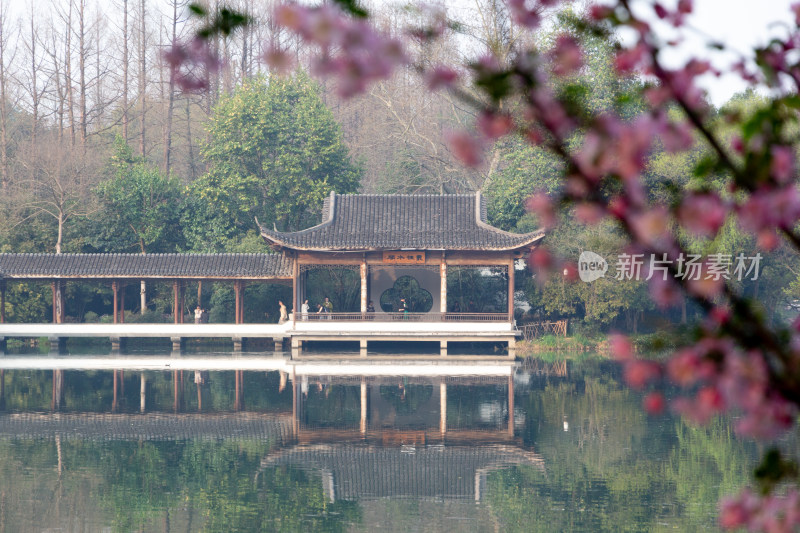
400 316
534 330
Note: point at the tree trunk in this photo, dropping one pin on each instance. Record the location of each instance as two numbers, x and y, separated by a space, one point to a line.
3 109
68 75
189 142
142 76
170 97
34 86
82 71
125 60
60 237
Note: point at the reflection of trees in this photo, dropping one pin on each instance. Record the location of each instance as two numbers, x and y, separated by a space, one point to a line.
615 469
708 463
157 486
477 289
332 405
406 398
92 391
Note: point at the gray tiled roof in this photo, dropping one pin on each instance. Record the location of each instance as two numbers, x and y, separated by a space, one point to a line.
149 266
150 426
367 472
392 222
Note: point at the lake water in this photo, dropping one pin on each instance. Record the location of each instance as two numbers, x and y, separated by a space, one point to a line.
541 446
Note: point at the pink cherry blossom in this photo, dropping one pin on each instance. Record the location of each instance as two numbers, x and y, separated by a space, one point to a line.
687 366
494 125
280 60
466 147
588 213
651 227
770 207
440 77
528 17
620 347
782 167
350 50
543 207
540 259
777 512
702 213
192 64
638 373
664 290
654 403
630 59
567 56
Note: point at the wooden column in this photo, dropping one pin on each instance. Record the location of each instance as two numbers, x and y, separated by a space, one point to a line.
443 407
122 303
114 399
511 405
2 302
295 401
364 285
443 287
200 293
142 393
175 391
511 290
295 291
237 301
363 425
58 302
182 300
115 290
175 300
237 397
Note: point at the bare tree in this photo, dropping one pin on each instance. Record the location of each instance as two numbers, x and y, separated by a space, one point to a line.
125 64
170 95
60 184
4 170
142 75
33 85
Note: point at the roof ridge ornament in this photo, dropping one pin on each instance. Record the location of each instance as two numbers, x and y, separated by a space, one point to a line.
332 208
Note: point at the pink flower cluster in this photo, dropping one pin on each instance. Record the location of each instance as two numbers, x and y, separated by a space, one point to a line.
350 50
772 513
719 377
192 64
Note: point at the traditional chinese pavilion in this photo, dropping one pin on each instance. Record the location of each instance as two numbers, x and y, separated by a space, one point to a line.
419 237
391 243
389 236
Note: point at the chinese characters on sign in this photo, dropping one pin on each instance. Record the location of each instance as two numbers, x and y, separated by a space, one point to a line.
691 267
404 258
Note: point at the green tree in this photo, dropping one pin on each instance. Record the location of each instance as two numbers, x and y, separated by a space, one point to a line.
274 152
140 206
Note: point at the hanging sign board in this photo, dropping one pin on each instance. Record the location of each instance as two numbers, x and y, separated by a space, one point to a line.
404 258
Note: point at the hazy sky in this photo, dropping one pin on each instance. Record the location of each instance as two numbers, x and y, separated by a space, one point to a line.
741 24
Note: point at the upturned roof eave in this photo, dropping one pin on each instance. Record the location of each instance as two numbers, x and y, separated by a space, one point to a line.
528 240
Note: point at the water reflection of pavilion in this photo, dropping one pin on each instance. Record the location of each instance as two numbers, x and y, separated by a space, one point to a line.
425 472
389 436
